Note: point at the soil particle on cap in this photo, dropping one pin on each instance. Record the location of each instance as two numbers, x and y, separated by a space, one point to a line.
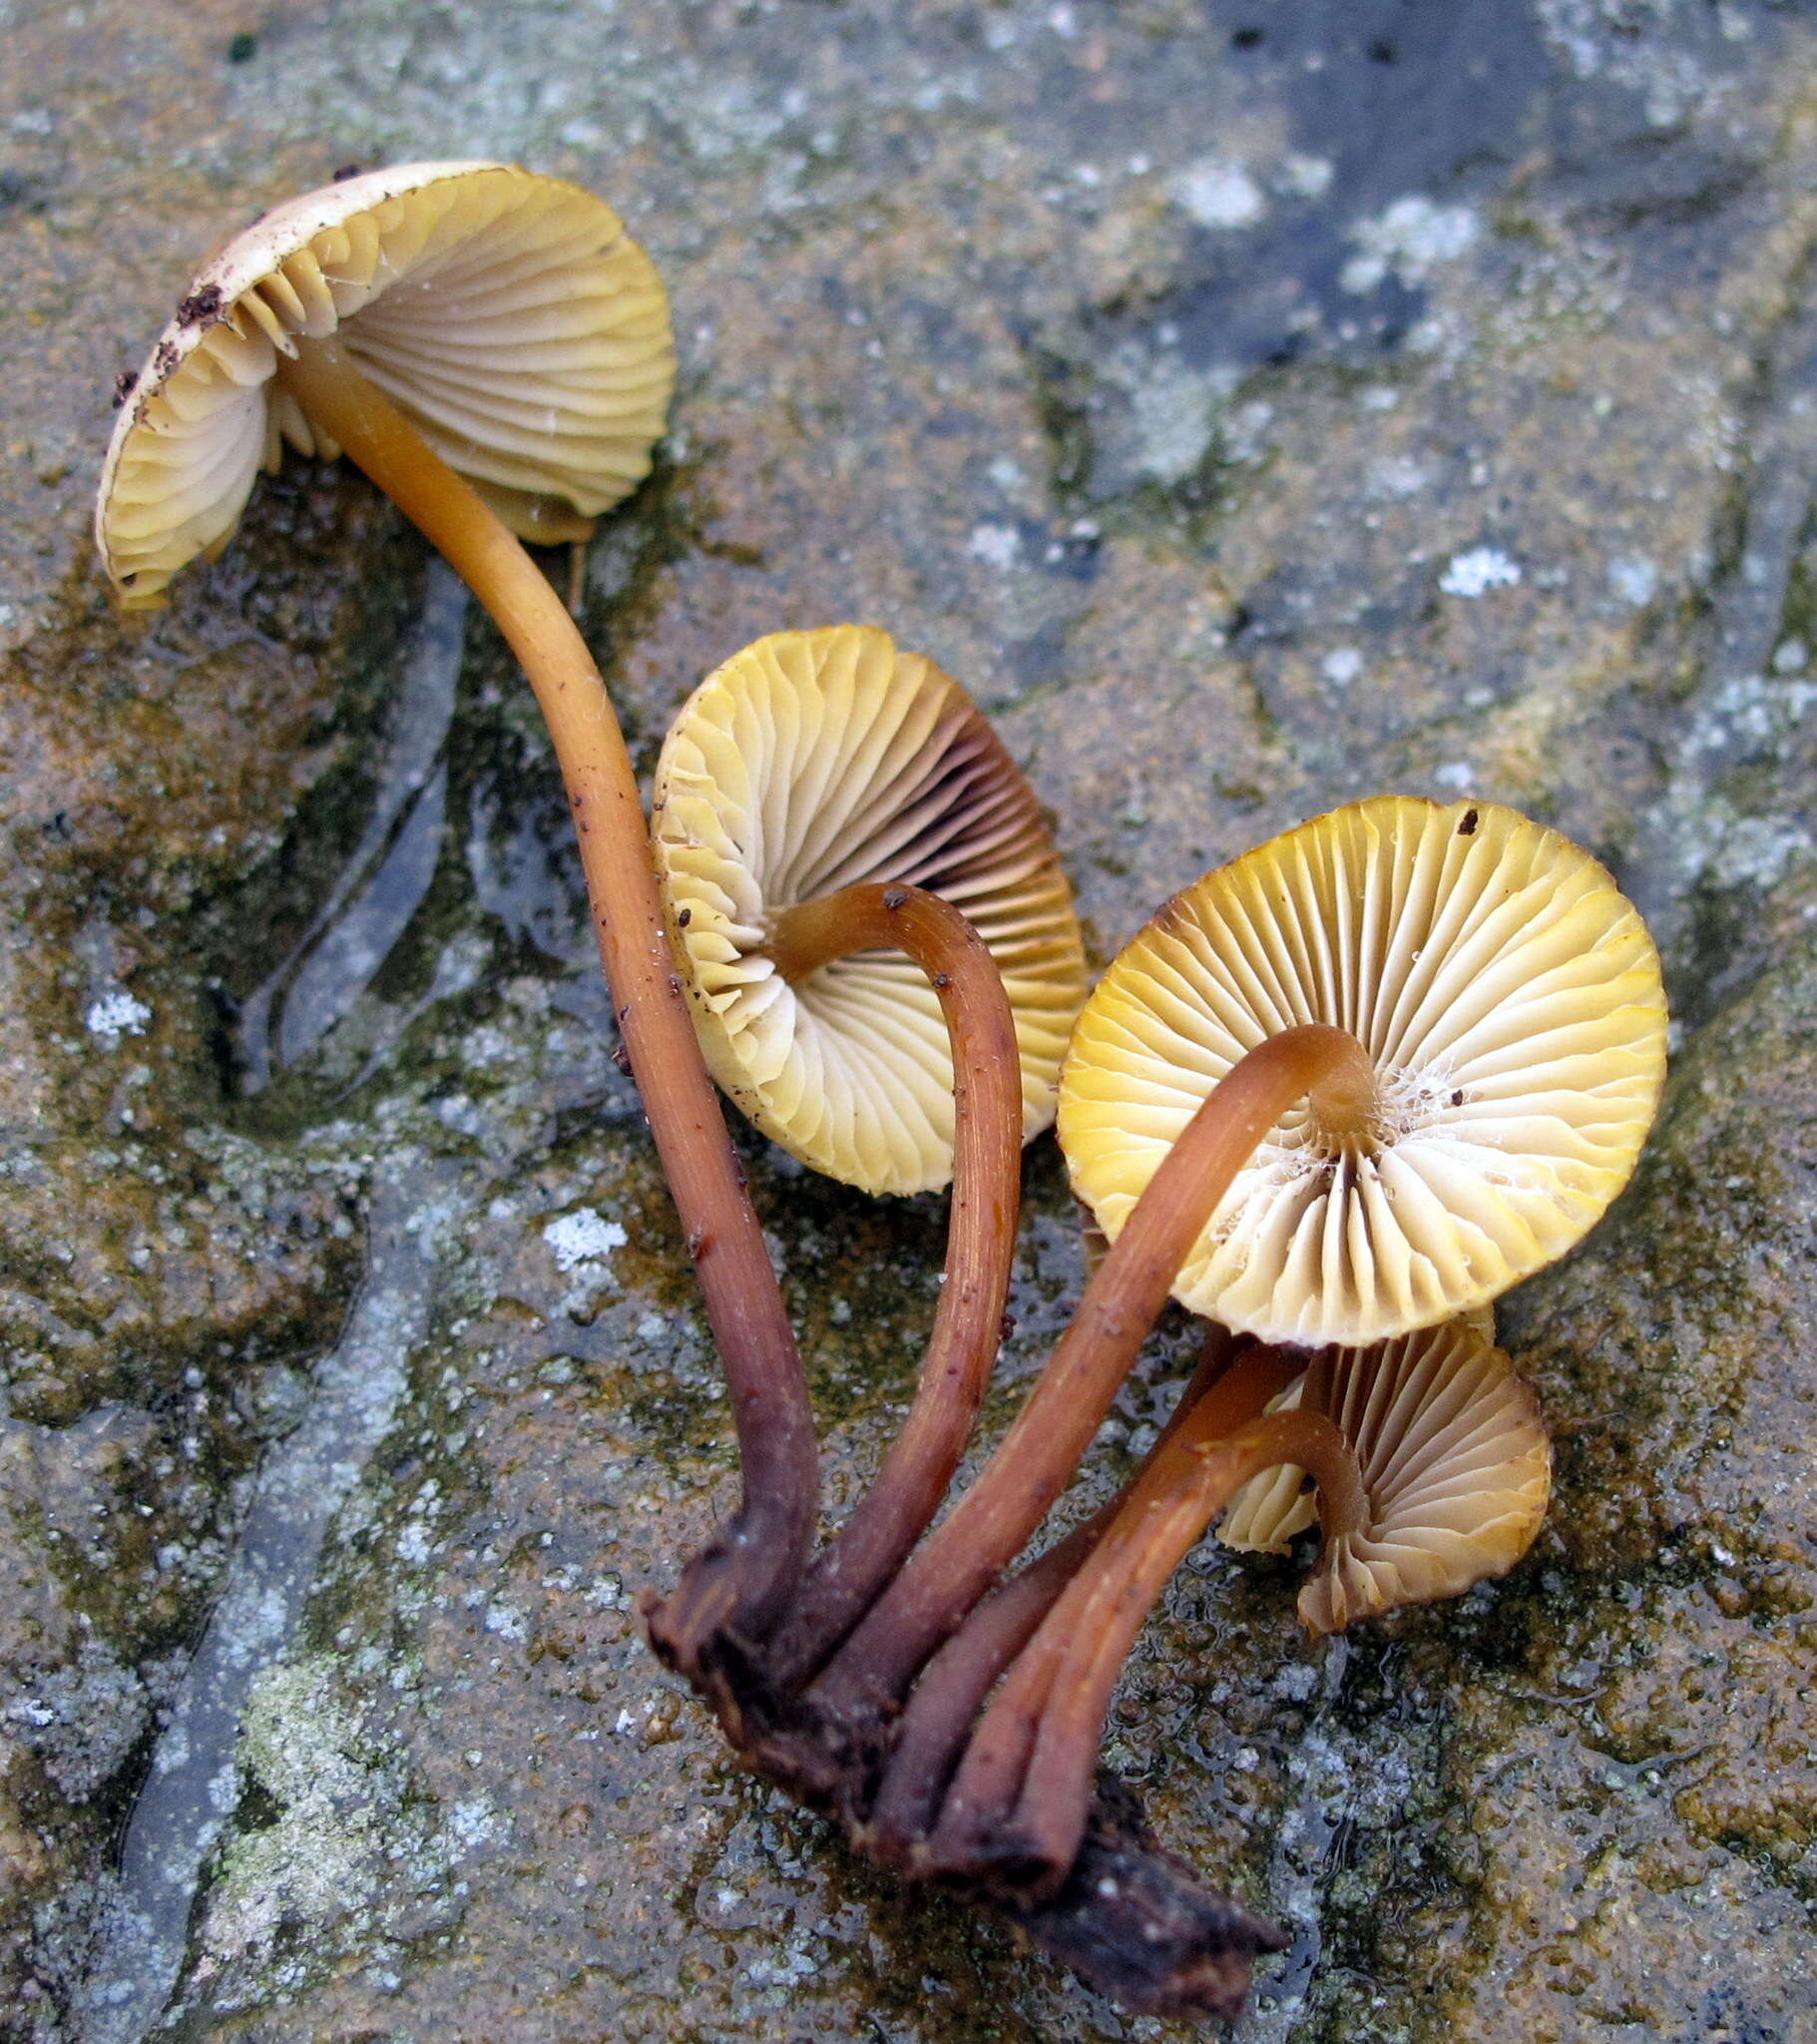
200 309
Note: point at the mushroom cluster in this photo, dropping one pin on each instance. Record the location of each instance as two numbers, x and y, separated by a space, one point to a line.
1335 1099
1400 1056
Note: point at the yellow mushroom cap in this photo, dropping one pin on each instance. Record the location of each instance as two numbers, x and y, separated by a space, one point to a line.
508 316
1455 1463
817 761
1510 999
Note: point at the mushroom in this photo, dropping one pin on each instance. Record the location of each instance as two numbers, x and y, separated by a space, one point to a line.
1454 1460
476 317
1398 1057
810 765
884 963
1433 1470
1506 1040
509 317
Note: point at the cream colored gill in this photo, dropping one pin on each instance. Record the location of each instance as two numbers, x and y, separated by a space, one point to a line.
811 761
1510 999
1455 1463
508 316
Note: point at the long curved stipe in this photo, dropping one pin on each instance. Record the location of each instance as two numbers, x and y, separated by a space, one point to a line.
981 1236
745 1576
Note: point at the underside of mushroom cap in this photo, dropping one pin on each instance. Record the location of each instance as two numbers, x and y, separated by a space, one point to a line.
1509 1000
508 316
817 761
1455 1463
1273 1509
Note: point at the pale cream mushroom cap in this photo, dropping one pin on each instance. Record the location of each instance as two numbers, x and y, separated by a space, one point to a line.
817 761
1510 999
1271 1509
1455 1463
508 316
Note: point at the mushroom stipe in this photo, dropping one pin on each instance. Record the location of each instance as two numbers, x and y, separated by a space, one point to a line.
845 1577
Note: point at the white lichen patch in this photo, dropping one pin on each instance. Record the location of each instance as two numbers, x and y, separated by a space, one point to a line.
1633 579
1396 476
1175 413
1751 711
474 1823
1408 241
115 1014
1219 192
1305 177
348 1849
322 1856
82 1721
1737 850
996 545
505 1621
582 1236
1608 39
1478 571
788 1965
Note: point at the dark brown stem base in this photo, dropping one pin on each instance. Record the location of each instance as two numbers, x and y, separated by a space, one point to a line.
1128 1918
1018 1805
939 1715
1135 1921
1131 1919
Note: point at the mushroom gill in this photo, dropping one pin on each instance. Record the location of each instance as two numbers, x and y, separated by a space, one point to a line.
816 762
1508 1001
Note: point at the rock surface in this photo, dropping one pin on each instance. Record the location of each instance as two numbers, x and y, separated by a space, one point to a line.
1256 405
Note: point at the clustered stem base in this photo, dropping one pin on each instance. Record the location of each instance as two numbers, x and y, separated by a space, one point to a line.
898 1735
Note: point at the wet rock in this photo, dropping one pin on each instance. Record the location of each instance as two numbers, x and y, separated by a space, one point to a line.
1255 408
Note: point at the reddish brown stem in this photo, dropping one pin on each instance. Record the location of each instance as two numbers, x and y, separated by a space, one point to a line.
744 1579
1018 1802
963 1558
938 1715
981 1237
996 1754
